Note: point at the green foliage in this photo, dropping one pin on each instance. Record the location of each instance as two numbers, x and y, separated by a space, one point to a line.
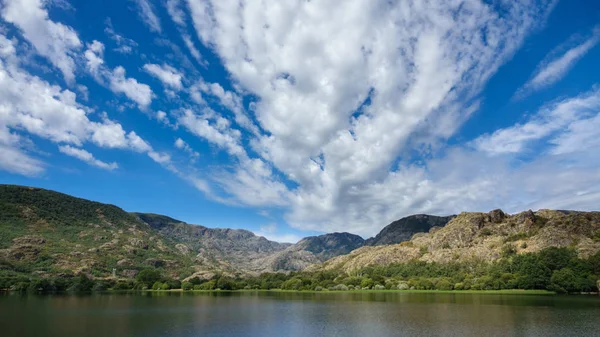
508 250
444 284
516 237
292 284
367 283
486 232
210 285
148 276
123 285
187 286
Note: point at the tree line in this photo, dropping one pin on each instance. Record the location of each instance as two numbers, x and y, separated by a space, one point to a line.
555 269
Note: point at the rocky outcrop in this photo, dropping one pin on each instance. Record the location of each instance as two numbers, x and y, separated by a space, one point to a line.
312 250
484 236
403 229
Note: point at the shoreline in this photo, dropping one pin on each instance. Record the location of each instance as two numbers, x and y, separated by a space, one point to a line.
370 291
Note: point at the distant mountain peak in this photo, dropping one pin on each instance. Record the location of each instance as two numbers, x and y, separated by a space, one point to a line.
403 229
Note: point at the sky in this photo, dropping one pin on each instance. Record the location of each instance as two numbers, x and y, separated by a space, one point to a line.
296 118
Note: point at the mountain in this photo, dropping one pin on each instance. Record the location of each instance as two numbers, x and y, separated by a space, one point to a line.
49 233
403 229
220 248
314 249
484 237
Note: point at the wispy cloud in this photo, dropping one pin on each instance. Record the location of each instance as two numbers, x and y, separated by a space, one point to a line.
87 157
555 67
148 16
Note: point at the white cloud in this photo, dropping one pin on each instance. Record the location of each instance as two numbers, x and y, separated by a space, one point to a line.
228 99
87 157
270 232
216 131
115 79
124 45
554 67
175 11
174 8
59 43
168 75
30 104
137 92
552 119
193 50
412 69
13 159
146 14
182 145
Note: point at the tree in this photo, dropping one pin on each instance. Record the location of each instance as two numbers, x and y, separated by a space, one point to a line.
148 276
292 284
367 283
187 286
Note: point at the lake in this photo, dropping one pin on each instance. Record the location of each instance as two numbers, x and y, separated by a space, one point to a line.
299 314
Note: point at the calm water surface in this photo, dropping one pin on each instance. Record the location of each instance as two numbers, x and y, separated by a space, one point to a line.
299 314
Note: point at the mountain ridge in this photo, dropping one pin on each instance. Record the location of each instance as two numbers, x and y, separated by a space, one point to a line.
53 232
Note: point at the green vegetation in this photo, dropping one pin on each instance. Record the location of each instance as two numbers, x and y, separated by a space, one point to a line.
553 269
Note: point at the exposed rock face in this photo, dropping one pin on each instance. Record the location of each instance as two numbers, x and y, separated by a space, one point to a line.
313 249
231 250
484 236
403 229
330 245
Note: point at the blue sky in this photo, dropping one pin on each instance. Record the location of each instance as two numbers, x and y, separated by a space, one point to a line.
288 120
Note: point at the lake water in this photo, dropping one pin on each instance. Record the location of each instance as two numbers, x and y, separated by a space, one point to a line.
299 314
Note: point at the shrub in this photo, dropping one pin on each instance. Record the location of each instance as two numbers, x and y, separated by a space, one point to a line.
210 285
187 286
292 284
508 250
366 283
339 287
122 285
148 276
174 284
403 286
444 284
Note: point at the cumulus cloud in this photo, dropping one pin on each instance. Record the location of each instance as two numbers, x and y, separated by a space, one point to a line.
148 16
115 79
168 75
555 67
55 41
87 157
31 104
340 100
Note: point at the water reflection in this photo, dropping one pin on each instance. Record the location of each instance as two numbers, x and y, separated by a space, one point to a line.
299 314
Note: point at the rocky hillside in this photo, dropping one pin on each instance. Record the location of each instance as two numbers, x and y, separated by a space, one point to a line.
403 229
484 236
49 233
223 248
314 249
